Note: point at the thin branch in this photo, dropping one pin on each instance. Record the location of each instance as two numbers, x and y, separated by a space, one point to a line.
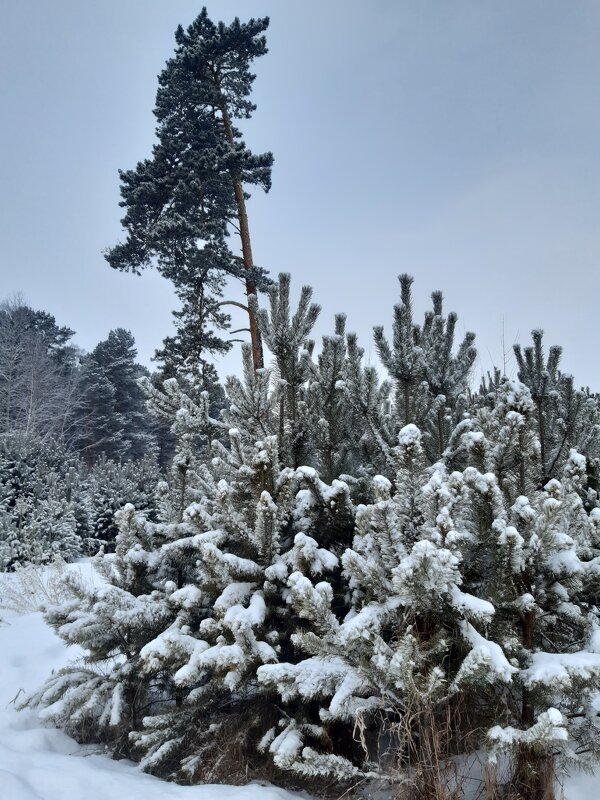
232 303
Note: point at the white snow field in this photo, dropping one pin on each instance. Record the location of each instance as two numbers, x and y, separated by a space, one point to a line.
40 763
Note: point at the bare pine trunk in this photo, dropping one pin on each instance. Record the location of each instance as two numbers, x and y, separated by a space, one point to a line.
257 353
255 338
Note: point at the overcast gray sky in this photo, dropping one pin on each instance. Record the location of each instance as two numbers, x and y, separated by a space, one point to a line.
457 141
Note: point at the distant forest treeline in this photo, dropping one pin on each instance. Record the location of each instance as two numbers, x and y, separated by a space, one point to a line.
76 439
51 389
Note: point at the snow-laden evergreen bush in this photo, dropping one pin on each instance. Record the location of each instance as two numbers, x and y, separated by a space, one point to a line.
363 578
202 593
41 510
109 486
130 604
458 593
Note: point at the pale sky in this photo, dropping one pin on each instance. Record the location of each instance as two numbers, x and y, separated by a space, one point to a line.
457 141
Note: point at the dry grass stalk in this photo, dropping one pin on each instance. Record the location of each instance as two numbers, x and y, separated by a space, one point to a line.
31 587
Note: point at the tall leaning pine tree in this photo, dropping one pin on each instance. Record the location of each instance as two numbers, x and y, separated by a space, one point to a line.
182 203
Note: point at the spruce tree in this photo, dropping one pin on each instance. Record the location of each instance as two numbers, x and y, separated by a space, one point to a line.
112 416
99 430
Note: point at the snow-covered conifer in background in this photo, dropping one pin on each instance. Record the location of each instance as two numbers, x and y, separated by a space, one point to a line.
42 504
112 419
109 486
38 374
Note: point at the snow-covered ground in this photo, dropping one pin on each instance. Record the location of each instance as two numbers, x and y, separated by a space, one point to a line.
41 763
